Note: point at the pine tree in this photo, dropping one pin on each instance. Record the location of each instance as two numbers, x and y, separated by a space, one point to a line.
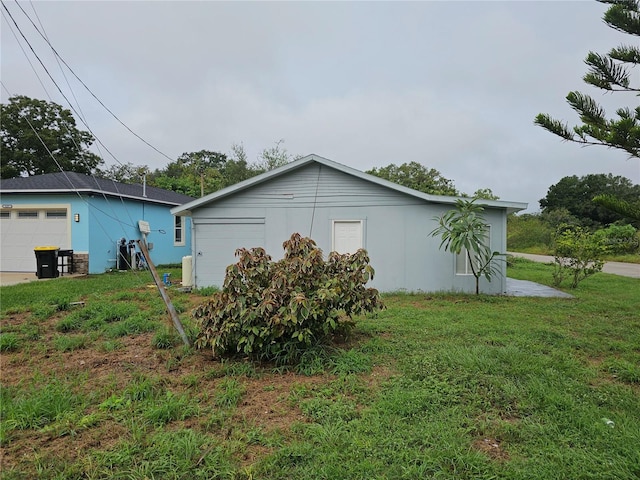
610 72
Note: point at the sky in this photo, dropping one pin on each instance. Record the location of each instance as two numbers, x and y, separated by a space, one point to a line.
453 85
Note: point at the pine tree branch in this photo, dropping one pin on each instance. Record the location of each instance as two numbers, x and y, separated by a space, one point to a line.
604 73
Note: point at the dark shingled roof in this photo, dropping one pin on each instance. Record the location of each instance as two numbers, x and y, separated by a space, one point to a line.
68 182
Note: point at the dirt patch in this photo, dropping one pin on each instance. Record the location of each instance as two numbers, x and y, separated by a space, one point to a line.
269 404
492 448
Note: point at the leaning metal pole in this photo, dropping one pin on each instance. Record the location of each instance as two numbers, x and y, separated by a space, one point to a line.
163 292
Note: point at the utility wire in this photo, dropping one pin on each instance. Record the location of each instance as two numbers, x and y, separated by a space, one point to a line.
69 130
33 7
26 56
92 207
90 91
56 84
113 217
44 34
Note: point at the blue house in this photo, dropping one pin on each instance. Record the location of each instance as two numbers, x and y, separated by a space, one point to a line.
343 210
92 217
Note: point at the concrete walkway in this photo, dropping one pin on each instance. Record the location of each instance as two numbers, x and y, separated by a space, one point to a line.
616 268
525 288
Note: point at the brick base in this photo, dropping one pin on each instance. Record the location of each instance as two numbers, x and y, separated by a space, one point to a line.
81 263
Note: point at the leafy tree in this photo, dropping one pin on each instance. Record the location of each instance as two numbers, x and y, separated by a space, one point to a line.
274 157
577 254
486 194
22 150
277 310
193 173
608 72
203 172
576 194
237 167
125 172
464 229
417 176
559 216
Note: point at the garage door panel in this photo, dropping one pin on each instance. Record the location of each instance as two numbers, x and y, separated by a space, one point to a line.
21 235
216 245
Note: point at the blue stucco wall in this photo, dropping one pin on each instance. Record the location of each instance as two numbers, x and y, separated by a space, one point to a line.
104 220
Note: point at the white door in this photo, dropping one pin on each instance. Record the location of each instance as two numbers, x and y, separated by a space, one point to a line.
216 241
347 236
22 229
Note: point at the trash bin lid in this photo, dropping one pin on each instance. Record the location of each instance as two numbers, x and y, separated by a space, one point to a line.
37 249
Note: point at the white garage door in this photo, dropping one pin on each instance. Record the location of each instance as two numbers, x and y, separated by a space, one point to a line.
216 240
23 229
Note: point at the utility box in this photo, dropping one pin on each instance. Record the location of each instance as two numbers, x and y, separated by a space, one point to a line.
47 262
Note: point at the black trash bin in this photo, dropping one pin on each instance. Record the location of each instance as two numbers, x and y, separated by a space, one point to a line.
124 260
47 262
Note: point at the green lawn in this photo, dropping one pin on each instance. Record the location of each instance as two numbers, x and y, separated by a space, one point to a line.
436 386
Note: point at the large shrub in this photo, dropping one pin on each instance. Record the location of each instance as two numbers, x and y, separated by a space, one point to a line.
577 254
276 310
619 239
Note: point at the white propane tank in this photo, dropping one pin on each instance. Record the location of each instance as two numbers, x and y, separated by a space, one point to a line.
186 271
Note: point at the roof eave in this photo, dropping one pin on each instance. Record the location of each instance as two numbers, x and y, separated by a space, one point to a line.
187 208
85 191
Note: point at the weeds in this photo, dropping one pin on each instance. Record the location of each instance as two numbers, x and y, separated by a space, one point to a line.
9 342
438 386
229 393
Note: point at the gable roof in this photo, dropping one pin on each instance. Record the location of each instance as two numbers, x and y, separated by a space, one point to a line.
72 182
309 159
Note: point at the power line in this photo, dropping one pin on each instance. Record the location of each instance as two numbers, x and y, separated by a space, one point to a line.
89 90
92 207
71 136
26 56
56 84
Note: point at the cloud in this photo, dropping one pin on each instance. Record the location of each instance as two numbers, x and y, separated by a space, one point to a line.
453 85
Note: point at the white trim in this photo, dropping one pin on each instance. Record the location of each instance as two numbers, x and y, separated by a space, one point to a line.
180 228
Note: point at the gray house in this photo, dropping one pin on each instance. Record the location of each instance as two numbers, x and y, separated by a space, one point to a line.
342 209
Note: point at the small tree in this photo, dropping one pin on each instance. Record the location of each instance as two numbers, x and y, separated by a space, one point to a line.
465 229
276 310
577 254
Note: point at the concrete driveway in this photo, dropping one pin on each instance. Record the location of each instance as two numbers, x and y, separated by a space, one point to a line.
13 278
616 268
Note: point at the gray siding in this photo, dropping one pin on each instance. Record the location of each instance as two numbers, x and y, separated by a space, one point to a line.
308 200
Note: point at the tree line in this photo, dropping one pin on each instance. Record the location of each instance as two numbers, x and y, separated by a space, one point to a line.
34 132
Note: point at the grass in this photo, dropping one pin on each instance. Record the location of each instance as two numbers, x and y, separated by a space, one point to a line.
436 386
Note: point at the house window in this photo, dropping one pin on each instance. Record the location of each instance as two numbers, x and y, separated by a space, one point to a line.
56 214
347 236
178 231
23 214
5 214
463 266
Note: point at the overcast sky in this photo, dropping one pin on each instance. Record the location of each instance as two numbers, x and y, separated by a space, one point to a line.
452 85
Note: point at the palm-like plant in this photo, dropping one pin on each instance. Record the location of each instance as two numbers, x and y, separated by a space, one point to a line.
465 228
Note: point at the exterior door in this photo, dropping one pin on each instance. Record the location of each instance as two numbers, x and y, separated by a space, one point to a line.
347 236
